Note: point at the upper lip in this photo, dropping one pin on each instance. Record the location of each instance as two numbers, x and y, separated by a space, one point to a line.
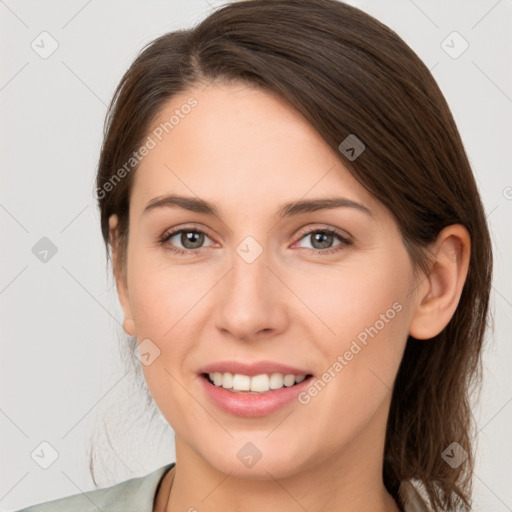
251 369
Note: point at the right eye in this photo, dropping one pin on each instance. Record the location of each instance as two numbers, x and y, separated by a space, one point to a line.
190 239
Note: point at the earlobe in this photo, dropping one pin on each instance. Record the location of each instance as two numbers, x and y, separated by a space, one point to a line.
120 278
129 327
440 291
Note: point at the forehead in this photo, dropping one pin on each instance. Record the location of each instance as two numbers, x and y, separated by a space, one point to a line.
241 144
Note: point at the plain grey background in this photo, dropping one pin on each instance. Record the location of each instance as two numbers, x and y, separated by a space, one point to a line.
60 319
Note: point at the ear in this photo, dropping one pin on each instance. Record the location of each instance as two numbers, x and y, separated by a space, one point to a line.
440 291
120 277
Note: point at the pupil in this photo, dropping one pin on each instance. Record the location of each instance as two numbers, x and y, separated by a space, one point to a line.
189 236
326 241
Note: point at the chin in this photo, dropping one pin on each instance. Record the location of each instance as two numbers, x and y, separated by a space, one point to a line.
258 461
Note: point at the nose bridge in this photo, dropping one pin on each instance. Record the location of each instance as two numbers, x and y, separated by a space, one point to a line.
250 300
249 265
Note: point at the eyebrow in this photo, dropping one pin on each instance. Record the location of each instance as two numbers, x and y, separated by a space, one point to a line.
287 210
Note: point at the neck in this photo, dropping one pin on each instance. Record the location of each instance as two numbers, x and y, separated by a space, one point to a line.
349 480
283 495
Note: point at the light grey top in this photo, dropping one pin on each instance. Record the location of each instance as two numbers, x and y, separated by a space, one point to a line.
133 495
138 495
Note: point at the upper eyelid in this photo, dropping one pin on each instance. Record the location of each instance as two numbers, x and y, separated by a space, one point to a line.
192 227
311 229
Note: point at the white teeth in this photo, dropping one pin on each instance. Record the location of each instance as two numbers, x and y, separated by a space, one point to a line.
276 381
289 380
257 384
260 383
227 380
241 382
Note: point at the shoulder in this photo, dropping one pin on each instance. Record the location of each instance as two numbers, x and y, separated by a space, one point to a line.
413 496
136 494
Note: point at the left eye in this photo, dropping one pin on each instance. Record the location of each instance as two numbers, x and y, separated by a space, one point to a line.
322 239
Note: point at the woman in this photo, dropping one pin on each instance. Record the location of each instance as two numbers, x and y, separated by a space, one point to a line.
302 257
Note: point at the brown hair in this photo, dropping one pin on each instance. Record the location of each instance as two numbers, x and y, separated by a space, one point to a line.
346 73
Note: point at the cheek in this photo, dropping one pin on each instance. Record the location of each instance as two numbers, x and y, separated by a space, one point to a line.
353 298
165 304
365 313
161 293
162 301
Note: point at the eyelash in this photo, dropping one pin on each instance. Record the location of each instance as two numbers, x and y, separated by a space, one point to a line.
345 242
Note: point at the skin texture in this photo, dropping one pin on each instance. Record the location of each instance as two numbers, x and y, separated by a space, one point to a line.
248 152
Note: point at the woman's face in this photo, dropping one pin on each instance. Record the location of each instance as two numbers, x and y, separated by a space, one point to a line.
259 286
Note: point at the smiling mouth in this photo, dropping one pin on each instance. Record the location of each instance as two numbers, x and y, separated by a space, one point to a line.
255 385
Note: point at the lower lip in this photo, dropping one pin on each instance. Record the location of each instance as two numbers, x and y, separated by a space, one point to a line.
252 405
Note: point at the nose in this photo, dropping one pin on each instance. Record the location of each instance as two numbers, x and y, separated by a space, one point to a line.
251 299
